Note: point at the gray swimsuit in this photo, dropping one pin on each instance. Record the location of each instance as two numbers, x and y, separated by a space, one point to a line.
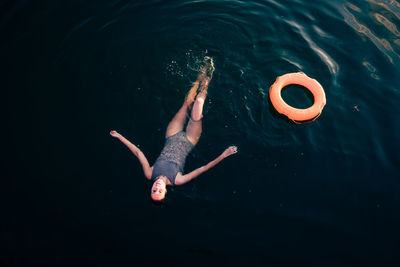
172 157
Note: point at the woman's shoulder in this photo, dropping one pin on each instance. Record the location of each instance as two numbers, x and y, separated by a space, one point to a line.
179 179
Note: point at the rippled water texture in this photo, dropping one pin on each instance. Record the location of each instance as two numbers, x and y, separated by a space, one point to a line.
319 194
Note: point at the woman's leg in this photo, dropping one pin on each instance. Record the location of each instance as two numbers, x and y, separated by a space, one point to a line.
194 127
177 123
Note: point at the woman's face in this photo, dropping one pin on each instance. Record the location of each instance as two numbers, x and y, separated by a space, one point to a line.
158 190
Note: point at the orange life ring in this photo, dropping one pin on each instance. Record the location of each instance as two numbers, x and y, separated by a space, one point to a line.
295 114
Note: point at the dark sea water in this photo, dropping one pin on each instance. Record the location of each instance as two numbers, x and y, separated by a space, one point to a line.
325 193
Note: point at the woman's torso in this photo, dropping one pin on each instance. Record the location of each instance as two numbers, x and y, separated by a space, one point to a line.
173 156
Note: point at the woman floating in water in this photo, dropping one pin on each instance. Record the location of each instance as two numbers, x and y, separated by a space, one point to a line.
168 168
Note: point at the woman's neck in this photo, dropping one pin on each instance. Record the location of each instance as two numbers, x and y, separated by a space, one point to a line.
165 179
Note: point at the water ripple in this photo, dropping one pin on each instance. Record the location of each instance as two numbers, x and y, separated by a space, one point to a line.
384 45
390 5
330 63
77 28
388 25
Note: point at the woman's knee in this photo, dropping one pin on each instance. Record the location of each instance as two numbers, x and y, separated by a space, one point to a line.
197 110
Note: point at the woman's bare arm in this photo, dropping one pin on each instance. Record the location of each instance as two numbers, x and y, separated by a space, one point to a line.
183 179
137 152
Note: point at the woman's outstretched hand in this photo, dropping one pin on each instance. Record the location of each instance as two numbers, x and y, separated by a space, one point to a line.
229 151
114 134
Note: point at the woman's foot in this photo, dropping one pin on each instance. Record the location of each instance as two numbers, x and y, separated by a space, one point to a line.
207 70
209 66
205 77
200 87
